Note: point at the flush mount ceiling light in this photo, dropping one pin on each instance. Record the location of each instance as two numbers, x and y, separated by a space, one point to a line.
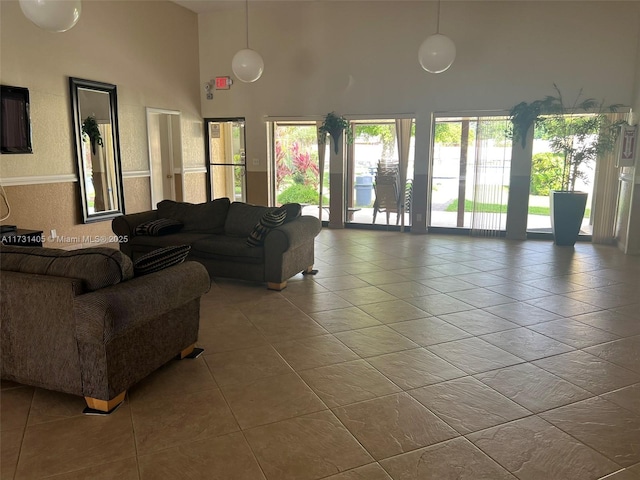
247 64
437 52
52 15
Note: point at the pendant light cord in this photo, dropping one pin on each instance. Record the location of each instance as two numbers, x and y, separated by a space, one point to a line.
437 17
246 19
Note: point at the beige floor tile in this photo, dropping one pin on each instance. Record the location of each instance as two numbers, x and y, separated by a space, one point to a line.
519 291
306 448
478 322
571 332
347 383
456 459
407 289
75 443
286 324
562 305
474 355
172 420
394 311
556 285
532 387
624 352
429 331
365 295
533 449
342 319
227 457
186 376
319 302
313 352
10 443
371 341
601 299
604 426
447 284
481 297
228 330
126 469
522 313
271 399
15 404
627 397
373 471
468 405
624 474
588 371
521 275
611 321
483 279
344 282
305 286
394 424
381 277
48 406
415 368
241 367
526 343
440 304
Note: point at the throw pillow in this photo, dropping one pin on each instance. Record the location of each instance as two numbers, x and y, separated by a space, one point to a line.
160 259
294 210
268 222
162 226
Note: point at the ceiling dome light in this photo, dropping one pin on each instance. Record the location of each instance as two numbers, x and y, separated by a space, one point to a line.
247 65
52 15
437 53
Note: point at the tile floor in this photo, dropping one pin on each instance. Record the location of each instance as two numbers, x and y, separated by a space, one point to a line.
405 357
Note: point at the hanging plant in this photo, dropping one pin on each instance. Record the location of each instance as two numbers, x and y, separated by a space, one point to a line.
335 125
91 130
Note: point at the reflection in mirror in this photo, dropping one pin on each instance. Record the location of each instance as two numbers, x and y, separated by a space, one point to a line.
95 120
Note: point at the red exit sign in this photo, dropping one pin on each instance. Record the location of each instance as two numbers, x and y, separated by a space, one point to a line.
223 83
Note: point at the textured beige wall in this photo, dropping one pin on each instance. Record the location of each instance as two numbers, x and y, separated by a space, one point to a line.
195 188
148 49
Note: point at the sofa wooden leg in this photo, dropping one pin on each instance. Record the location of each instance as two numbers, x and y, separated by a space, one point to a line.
187 351
276 286
104 405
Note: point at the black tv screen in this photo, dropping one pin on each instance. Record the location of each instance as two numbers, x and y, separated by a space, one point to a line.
15 123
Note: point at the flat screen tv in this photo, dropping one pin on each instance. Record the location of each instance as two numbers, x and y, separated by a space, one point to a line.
15 123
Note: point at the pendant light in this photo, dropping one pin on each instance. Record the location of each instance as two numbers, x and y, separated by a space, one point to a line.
247 64
437 52
52 15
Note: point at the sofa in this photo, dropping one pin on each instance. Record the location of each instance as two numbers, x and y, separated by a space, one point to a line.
81 322
220 233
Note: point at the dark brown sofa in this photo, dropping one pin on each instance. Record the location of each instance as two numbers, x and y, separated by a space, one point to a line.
80 322
217 232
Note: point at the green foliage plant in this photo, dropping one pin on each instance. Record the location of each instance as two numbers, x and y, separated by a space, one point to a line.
91 130
546 173
335 125
579 130
299 193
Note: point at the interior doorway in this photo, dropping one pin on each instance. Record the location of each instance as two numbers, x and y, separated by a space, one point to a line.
226 158
165 155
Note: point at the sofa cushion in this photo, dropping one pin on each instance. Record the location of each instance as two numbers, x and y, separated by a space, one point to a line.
242 217
227 247
206 217
97 267
161 259
268 222
294 210
161 226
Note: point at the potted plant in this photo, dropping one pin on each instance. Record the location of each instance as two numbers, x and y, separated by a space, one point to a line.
335 125
579 132
91 130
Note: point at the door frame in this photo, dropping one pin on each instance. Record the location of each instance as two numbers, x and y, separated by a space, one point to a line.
207 150
150 111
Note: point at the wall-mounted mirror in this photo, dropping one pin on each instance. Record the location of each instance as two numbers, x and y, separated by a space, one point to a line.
95 123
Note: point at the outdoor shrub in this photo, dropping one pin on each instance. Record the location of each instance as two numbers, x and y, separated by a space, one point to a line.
298 193
546 173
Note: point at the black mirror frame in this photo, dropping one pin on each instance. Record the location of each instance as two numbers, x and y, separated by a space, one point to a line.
74 85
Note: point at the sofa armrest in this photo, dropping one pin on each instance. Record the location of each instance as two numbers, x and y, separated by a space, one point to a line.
125 225
109 312
290 235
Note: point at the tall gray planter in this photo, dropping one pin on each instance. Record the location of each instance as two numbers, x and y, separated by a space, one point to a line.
567 212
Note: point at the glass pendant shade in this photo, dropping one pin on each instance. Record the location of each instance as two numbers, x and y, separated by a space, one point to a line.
247 65
52 15
437 53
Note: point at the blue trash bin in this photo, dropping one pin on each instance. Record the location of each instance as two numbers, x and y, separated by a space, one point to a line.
364 189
